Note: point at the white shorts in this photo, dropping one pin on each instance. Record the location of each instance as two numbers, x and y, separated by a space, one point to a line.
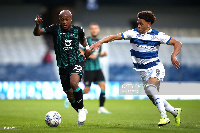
157 71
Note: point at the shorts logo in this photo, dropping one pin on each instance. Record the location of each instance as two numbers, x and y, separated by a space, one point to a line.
87 83
78 68
157 72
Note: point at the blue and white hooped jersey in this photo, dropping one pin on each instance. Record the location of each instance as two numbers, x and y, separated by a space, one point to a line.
145 47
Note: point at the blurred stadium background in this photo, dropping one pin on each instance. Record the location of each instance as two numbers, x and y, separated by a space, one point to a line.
27 63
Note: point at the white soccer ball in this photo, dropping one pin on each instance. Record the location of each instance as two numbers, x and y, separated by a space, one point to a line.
53 118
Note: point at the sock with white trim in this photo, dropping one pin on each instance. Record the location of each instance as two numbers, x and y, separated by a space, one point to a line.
158 101
170 108
78 94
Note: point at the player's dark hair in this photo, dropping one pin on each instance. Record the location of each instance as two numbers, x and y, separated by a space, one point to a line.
148 16
94 23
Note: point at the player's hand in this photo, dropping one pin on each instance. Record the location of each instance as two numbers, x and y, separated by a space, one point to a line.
95 46
87 53
38 20
175 61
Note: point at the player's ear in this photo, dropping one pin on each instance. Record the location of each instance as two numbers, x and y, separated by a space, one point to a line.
149 24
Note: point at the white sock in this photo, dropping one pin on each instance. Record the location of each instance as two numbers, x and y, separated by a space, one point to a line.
101 107
169 108
152 90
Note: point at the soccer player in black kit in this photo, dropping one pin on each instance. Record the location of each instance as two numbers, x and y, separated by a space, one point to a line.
71 63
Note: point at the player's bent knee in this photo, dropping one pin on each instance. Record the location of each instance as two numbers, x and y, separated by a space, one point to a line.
150 89
74 85
86 90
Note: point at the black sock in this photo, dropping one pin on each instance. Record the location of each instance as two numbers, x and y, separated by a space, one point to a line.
102 98
78 94
74 105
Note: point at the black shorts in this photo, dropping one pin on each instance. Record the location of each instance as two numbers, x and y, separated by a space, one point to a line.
93 76
65 74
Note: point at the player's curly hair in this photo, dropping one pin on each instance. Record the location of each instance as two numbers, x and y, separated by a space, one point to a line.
148 16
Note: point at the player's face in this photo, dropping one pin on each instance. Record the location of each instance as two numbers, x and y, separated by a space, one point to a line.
143 26
94 30
65 21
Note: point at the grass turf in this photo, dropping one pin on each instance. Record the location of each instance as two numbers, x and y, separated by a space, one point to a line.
136 116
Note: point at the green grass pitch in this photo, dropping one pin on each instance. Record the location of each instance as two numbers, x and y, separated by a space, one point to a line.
127 116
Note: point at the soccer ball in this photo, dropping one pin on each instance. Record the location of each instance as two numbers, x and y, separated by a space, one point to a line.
53 118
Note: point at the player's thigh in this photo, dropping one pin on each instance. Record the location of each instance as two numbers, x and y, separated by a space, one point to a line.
99 78
74 81
153 75
65 79
157 75
88 78
76 72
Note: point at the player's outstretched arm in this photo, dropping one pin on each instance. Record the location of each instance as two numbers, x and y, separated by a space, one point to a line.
102 54
105 40
37 31
85 44
177 49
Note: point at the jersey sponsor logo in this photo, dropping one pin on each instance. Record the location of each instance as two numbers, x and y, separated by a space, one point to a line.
151 48
68 45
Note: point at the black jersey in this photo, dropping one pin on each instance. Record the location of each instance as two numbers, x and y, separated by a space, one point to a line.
66 44
93 64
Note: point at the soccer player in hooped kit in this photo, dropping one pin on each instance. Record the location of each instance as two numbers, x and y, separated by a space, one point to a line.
145 43
71 63
93 72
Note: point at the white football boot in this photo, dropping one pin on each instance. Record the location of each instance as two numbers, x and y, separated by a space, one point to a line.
82 116
102 110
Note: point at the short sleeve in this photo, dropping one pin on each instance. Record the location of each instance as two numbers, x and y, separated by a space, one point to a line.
164 38
50 29
81 34
128 34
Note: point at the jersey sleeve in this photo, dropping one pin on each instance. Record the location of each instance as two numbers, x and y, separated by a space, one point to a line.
81 34
128 34
50 29
164 38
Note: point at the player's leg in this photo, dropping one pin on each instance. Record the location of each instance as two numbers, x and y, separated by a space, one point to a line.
151 90
77 91
78 95
66 103
65 81
102 99
86 90
174 111
88 78
76 73
151 80
71 98
100 80
159 73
